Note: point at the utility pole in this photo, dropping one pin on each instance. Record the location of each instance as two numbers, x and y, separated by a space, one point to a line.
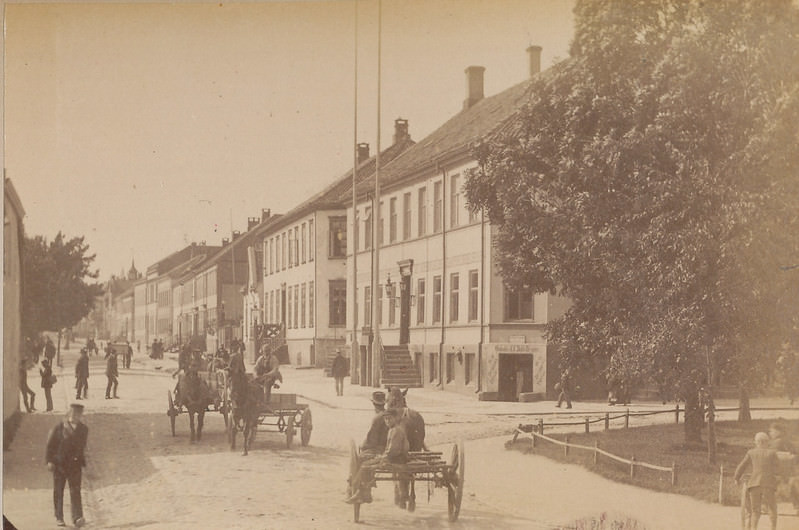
355 356
376 218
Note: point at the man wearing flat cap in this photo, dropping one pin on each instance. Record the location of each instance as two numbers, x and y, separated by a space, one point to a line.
65 458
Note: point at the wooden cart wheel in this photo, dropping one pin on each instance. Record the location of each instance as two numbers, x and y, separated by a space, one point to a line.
289 431
455 489
354 466
306 426
171 411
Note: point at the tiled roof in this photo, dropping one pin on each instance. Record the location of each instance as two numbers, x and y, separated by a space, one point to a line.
457 135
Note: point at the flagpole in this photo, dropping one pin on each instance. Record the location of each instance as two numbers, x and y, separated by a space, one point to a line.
377 218
354 357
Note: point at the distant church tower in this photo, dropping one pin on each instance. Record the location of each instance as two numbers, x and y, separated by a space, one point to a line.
133 274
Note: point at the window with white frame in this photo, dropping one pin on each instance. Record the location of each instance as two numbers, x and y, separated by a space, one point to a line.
518 304
367 228
436 299
420 300
303 295
455 201
437 210
311 240
338 303
311 307
454 296
422 199
392 219
304 242
406 216
338 237
473 295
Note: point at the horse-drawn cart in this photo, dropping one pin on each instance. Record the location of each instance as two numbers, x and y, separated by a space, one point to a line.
424 466
213 387
284 414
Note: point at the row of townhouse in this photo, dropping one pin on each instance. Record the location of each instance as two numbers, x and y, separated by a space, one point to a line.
443 318
443 313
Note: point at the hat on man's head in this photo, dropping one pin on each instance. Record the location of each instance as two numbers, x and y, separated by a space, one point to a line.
76 406
379 397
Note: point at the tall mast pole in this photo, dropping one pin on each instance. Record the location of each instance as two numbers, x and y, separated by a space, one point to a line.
376 357
354 357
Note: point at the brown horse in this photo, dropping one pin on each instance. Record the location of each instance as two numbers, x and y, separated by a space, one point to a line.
194 394
246 399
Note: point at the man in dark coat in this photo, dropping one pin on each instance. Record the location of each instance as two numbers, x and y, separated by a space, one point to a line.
23 386
375 442
339 371
267 373
112 373
49 350
46 372
565 389
82 374
65 458
128 355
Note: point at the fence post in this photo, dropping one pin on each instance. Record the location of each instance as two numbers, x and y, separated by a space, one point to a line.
677 413
721 483
566 445
540 425
627 419
607 421
596 451
632 467
516 433
533 434
586 425
673 473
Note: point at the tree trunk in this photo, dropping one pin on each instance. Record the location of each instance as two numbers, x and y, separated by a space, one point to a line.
693 417
58 350
744 414
711 430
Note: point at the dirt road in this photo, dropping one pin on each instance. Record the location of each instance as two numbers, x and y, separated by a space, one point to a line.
140 476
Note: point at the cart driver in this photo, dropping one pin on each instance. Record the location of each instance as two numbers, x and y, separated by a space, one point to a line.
396 453
267 372
375 442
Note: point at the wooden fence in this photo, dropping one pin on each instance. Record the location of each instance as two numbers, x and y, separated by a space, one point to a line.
633 463
537 432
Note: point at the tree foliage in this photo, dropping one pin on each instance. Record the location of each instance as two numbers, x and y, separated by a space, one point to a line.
652 179
56 294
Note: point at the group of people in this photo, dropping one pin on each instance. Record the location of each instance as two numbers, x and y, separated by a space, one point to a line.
157 349
764 467
35 348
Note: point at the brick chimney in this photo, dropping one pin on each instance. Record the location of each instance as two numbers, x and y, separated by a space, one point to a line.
225 241
534 52
363 152
252 221
474 85
236 234
400 130
266 213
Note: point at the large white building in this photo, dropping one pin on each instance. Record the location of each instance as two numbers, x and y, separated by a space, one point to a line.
441 304
304 276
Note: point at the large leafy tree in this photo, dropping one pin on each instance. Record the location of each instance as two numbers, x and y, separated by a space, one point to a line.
58 291
652 179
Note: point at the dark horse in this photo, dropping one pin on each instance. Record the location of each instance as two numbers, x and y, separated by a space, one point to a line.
413 423
246 398
194 394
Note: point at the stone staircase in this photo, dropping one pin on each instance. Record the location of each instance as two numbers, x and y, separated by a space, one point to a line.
398 368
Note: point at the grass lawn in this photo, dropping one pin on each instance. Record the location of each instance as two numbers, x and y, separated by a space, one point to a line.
663 445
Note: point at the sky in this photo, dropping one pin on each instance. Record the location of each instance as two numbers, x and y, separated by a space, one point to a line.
145 127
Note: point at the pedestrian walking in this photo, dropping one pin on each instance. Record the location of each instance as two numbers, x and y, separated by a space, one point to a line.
48 379
762 483
112 373
565 389
128 355
23 386
65 458
49 350
82 375
339 371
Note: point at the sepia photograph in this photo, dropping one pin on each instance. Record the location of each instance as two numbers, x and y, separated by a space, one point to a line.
338 264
